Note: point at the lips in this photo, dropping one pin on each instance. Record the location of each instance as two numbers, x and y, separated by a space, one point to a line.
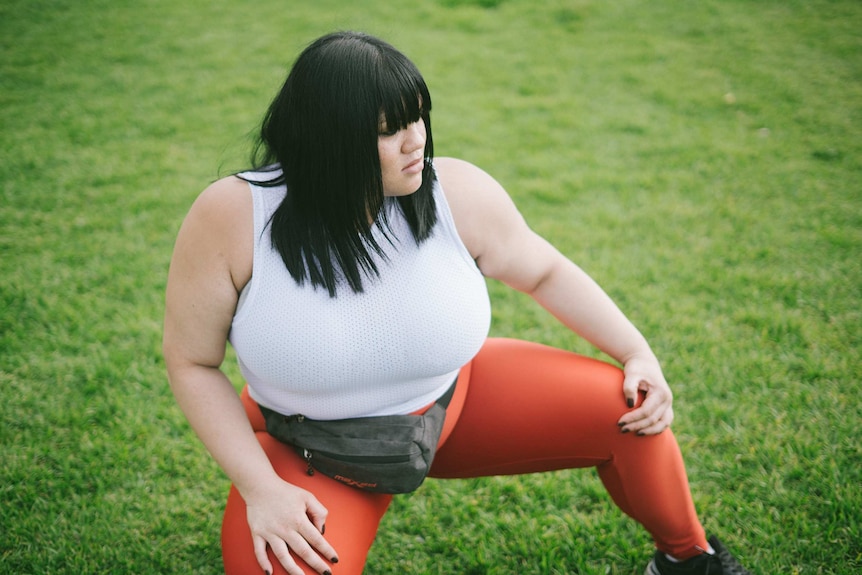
415 165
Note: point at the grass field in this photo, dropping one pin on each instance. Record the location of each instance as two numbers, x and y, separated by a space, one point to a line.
702 160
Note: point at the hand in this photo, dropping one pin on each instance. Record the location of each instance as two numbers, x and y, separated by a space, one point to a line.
286 517
643 375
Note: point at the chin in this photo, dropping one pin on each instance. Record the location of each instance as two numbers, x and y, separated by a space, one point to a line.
405 189
399 193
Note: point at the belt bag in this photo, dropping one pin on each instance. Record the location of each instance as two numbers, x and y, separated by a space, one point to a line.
386 454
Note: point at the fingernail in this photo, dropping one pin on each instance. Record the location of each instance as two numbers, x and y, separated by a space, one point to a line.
267 573
327 572
621 424
625 430
323 529
640 433
630 402
334 560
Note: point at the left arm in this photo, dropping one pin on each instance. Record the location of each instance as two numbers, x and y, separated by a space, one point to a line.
506 249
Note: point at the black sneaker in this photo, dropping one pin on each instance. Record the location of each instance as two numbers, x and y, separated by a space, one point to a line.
722 563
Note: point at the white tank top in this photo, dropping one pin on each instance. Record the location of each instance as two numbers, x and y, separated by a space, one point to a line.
392 349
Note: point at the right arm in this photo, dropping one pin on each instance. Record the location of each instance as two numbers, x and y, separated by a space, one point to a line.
211 263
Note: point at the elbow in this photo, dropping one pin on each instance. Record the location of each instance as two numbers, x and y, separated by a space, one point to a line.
541 282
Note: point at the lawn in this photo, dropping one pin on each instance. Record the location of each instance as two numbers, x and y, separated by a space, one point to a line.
702 160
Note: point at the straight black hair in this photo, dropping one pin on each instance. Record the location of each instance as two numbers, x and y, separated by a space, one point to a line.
319 138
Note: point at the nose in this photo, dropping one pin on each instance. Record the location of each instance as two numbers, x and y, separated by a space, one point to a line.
415 137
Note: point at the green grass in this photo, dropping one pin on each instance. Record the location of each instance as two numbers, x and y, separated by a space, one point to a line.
703 160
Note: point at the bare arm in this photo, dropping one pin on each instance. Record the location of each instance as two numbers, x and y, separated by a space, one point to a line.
211 262
505 248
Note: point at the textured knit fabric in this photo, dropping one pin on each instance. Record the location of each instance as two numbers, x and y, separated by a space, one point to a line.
391 349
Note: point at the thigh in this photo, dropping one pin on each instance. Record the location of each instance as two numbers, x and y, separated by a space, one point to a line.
351 525
530 407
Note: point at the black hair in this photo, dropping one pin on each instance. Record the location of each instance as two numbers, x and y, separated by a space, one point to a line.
319 138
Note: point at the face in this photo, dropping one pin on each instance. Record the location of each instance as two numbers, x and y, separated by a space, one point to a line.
402 158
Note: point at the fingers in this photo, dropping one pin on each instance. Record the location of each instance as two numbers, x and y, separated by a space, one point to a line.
289 521
306 543
310 546
660 425
260 554
650 422
630 391
317 514
296 544
282 552
654 415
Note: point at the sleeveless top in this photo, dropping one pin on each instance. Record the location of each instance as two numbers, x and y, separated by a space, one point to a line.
392 349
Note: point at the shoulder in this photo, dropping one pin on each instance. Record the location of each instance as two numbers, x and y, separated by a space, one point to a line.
492 228
470 191
484 213
468 187
211 263
224 199
219 227
459 176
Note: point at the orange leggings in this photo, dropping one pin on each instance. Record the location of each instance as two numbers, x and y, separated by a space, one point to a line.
518 408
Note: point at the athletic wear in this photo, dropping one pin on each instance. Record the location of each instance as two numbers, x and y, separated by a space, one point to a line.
721 563
389 350
518 407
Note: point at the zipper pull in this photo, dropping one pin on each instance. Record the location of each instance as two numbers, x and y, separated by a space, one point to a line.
306 454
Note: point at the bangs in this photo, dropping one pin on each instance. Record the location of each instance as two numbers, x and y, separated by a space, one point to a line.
404 95
323 131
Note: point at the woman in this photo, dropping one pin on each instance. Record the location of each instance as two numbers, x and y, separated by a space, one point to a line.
347 270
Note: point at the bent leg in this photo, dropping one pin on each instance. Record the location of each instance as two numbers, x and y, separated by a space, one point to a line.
351 525
530 407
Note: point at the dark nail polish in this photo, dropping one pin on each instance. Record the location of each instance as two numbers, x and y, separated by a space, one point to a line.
621 424
323 529
630 402
327 572
334 560
625 430
267 573
640 434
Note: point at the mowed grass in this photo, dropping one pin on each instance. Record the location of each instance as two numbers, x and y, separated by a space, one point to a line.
700 159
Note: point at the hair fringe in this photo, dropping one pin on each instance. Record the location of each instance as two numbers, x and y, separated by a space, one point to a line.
319 139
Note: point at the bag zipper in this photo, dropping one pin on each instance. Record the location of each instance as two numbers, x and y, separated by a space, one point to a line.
308 455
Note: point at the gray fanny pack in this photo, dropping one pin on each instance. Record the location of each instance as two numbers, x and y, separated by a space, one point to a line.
386 454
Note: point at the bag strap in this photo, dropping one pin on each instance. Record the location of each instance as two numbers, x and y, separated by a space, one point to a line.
442 401
447 397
